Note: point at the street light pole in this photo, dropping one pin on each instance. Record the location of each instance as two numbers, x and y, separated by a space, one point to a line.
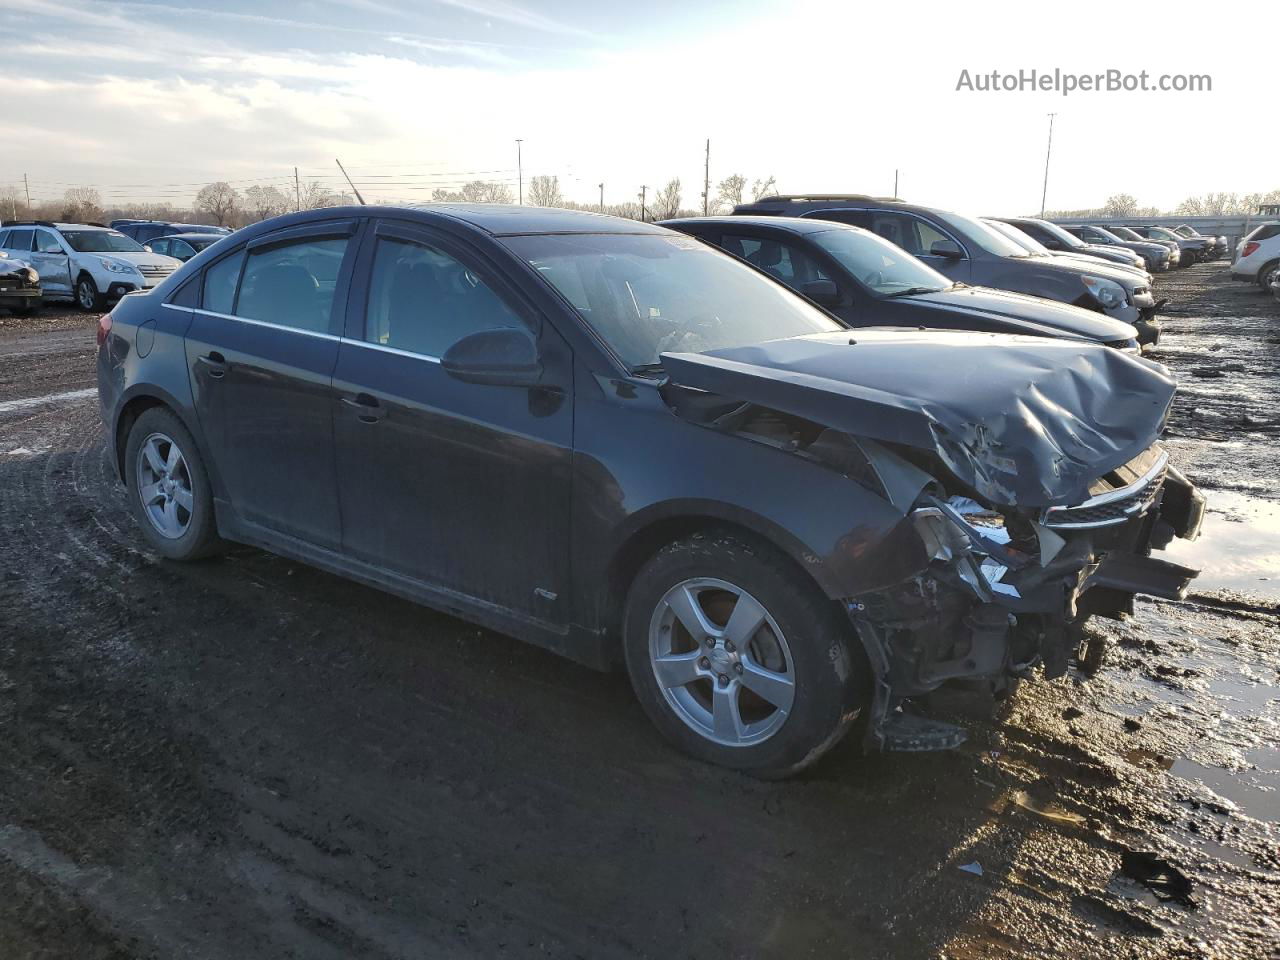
643 188
602 198
1047 153
520 171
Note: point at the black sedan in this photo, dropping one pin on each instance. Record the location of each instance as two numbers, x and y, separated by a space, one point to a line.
607 438
867 281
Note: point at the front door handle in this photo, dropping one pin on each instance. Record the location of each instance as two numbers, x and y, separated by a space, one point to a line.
367 407
215 364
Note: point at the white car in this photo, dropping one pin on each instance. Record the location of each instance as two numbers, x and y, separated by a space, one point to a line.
87 263
1258 256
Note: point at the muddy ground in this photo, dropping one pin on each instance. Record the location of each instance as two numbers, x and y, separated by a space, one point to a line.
247 758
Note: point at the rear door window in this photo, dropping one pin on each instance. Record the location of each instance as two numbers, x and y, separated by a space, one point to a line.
292 284
220 284
20 240
782 261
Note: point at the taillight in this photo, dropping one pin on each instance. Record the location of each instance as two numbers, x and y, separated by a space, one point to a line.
1250 248
104 328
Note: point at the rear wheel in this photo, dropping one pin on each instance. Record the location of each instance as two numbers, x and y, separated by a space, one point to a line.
87 296
1267 273
169 490
738 658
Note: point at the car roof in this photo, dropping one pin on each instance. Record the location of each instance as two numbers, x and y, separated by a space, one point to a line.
212 237
792 224
817 202
496 219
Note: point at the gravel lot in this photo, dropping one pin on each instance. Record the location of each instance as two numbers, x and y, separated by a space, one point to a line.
247 758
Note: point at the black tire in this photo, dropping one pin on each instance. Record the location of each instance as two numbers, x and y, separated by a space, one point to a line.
1264 275
87 296
200 535
828 669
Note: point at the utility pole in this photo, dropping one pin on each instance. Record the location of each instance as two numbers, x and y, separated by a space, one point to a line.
297 191
895 183
1045 193
602 198
643 188
520 171
27 189
706 179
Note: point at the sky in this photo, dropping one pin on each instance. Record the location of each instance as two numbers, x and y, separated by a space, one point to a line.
148 100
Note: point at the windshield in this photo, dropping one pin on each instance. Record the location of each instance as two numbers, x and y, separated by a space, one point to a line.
1066 239
1020 237
884 267
101 241
1185 231
1162 232
652 294
988 239
1126 234
199 243
1110 235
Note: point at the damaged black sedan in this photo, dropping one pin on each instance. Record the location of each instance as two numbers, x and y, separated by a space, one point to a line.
608 439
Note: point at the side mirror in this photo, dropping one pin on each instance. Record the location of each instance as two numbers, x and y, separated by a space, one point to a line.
147 247
946 248
505 357
824 292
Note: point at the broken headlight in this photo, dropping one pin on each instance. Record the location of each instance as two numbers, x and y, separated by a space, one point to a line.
1107 292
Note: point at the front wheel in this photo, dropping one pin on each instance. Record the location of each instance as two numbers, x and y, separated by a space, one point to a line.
738 658
87 296
169 491
1267 273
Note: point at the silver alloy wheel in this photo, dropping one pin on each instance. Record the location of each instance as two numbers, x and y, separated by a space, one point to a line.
721 662
85 291
164 485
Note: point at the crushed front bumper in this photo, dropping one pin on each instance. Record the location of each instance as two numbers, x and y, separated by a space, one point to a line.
991 609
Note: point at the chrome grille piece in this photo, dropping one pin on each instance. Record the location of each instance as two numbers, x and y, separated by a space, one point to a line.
1114 506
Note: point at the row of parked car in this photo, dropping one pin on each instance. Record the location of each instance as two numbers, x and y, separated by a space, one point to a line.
92 264
734 454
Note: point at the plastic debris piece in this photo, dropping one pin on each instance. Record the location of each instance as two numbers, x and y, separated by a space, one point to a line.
975 868
1049 811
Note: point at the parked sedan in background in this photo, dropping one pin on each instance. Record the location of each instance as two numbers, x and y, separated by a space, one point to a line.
19 286
610 439
1189 250
1157 256
969 251
1036 248
1214 247
1258 260
1170 244
1058 240
144 231
867 281
183 246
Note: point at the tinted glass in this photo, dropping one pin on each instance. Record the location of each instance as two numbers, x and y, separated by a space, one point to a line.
782 261
1043 228
423 300
100 241
292 285
646 294
880 265
159 246
4 239
1019 236
220 284
985 237
180 249
20 240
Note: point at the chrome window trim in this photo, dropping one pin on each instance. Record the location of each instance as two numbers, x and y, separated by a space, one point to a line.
308 333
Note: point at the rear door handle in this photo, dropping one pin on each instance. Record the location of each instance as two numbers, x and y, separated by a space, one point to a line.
367 407
216 364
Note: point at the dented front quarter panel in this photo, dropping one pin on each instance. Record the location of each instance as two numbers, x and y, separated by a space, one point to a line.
1023 421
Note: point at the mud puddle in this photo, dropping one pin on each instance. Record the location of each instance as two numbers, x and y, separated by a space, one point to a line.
1239 545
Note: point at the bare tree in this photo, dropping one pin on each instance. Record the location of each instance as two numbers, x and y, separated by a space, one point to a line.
11 198
762 188
666 202
1120 205
219 200
266 202
485 191
545 191
730 190
81 204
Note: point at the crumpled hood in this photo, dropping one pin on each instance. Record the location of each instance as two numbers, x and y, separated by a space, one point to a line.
1035 313
1028 421
12 265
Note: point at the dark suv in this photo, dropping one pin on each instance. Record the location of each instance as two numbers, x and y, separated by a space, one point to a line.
867 281
1058 240
144 231
969 251
607 438
1157 256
